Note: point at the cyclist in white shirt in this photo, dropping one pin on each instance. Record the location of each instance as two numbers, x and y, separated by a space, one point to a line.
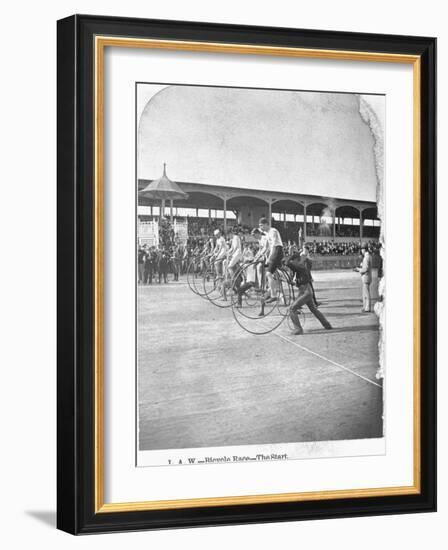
220 252
235 252
246 278
262 253
206 253
263 245
274 259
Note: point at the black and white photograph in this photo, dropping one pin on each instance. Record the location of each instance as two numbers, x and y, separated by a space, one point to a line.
260 274
229 338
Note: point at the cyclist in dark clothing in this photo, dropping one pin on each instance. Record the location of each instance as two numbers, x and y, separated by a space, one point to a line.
297 265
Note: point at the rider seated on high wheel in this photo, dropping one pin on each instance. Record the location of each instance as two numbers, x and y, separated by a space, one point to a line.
261 255
297 264
246 276
253 273
219 253
274 259
206 253
235 253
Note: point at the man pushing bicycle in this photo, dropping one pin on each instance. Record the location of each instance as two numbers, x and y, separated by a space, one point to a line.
297 265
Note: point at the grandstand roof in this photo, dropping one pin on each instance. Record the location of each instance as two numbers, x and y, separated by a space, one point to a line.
209 196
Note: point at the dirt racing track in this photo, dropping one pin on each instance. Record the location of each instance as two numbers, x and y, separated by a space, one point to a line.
203 381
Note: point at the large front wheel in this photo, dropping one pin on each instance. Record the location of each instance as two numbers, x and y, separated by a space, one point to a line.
251 307
216 286
191 272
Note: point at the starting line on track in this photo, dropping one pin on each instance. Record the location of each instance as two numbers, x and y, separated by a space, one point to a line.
328 360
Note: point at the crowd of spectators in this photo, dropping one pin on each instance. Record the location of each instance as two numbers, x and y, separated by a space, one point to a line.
200 231
289 230
204 228
335 248
316 248
326 230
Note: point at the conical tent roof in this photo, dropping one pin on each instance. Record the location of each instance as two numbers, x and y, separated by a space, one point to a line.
162 188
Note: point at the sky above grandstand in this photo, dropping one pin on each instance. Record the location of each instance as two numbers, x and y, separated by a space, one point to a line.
298 142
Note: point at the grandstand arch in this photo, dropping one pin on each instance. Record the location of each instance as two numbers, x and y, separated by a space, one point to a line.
348 221
248 208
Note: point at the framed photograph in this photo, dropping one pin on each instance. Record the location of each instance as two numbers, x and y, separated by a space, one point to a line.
246 274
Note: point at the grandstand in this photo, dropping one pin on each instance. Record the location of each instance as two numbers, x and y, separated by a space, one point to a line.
209 206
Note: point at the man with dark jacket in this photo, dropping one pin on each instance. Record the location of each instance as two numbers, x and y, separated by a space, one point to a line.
305 253
176 261
141 256
297 265
150 265
163 259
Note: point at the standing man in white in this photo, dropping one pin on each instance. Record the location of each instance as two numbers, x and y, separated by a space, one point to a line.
365 270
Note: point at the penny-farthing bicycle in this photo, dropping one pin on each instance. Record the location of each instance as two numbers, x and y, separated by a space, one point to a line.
251 307
217 287
195 274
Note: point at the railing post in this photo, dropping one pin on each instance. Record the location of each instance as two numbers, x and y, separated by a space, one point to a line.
360 224
225 214
304 223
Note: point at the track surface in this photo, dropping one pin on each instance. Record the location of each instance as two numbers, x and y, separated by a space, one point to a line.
203 381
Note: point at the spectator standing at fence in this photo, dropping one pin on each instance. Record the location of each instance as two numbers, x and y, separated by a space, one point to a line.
184 259
150 263
176 260
365 270
163 265
141 258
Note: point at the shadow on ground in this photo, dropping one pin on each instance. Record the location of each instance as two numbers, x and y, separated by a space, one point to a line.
47 517
335 330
